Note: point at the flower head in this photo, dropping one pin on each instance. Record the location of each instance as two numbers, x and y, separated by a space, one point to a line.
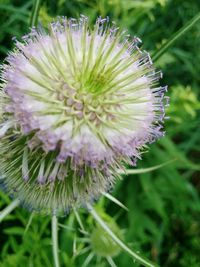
76 105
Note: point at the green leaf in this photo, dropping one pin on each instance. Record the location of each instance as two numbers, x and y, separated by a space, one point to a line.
14 231
175 37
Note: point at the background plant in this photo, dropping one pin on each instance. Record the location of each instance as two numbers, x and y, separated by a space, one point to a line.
163 217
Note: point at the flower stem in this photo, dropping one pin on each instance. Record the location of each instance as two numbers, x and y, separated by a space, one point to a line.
177 35
55 240
135 255
8 209
35 12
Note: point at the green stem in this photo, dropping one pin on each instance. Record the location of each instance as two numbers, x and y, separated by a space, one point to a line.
136 256
156 55
35 13
9 209
55 240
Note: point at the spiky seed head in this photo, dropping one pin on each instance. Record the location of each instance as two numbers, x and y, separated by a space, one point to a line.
76 105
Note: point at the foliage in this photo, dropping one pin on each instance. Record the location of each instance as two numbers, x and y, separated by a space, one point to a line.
163 217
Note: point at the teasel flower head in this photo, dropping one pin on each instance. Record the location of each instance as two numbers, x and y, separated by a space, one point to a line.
77 105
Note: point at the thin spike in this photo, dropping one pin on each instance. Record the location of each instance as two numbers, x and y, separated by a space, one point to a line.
29 222
79 219
25 171
9 209
116 201
144 170
136 256
88 260
111 262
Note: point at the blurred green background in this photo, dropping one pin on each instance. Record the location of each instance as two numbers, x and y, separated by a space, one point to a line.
164 206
